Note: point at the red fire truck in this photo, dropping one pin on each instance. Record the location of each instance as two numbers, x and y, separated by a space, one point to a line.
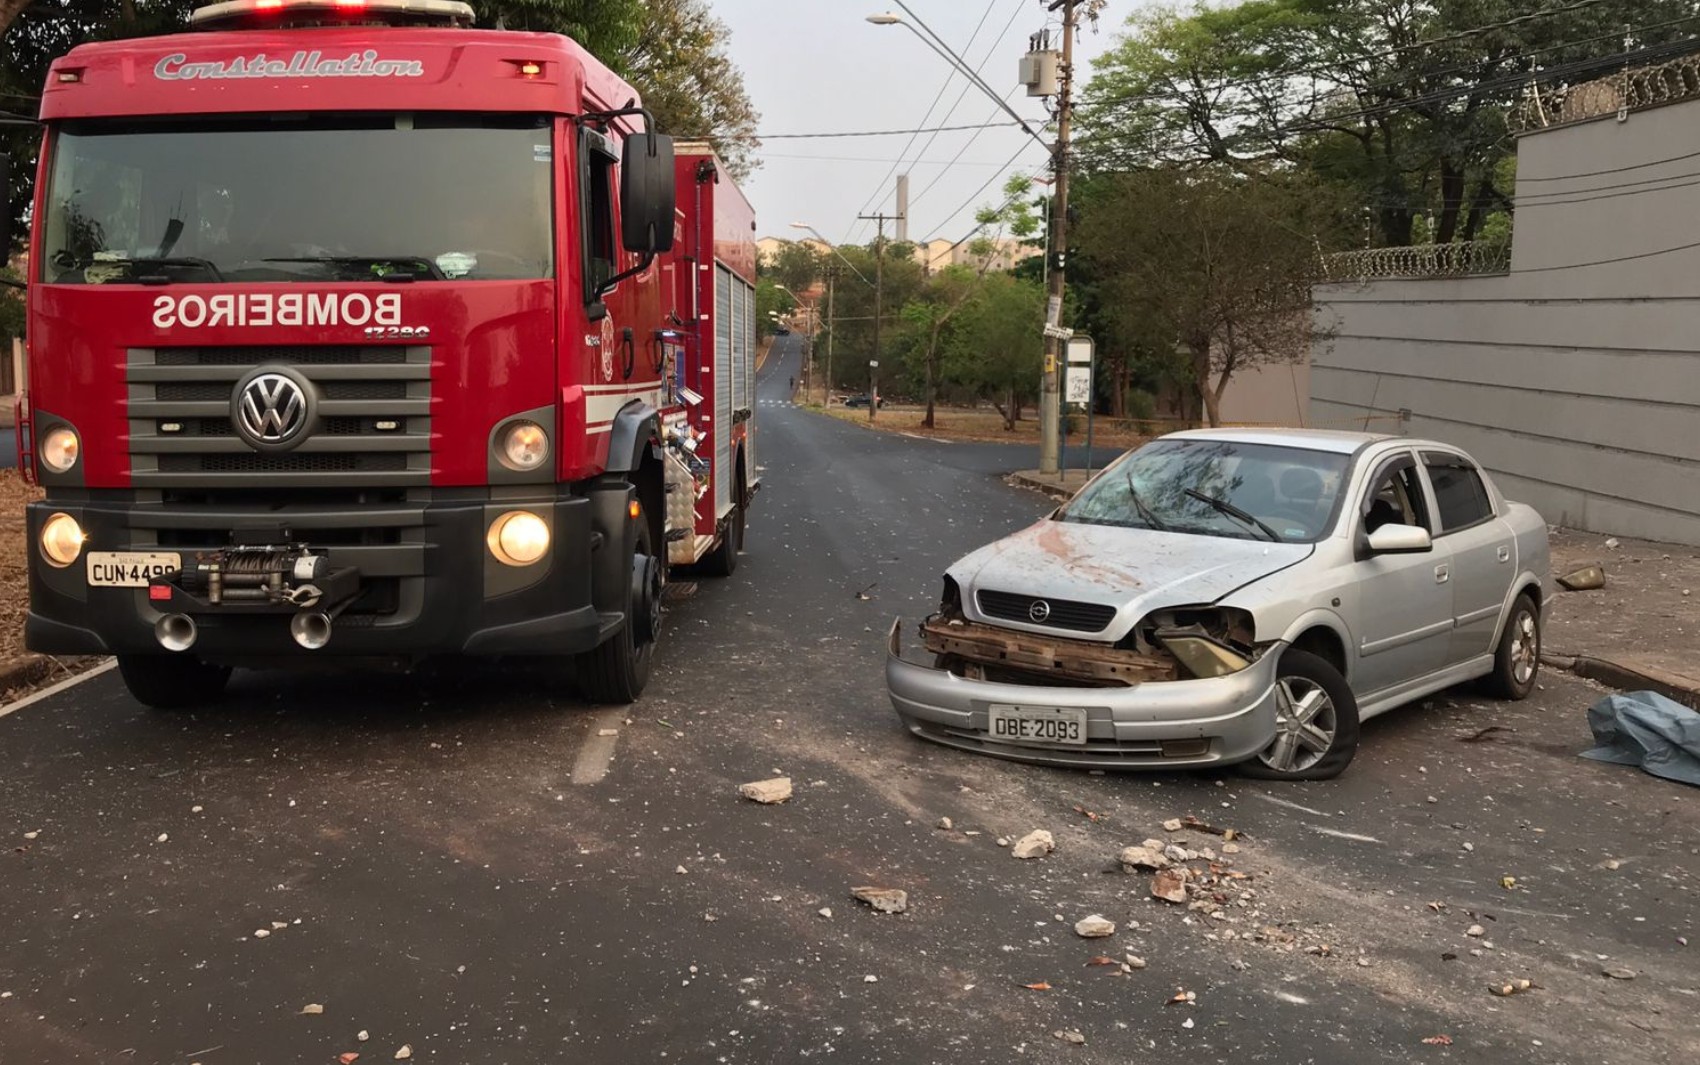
357 333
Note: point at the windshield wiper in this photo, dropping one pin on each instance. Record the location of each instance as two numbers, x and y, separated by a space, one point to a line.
1232 511
192 261
1145 512
419 263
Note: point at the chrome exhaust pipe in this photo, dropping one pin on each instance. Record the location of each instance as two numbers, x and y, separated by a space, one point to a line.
311 629
175 632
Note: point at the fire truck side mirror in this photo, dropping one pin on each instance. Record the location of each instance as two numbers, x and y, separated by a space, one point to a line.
646 193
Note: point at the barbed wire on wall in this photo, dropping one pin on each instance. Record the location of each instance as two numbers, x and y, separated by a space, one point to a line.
1614 94
1469 258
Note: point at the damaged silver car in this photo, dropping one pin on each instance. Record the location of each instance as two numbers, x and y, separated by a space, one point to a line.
1232 597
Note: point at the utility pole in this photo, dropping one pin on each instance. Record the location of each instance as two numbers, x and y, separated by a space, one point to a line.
1050 394
826 393
879 311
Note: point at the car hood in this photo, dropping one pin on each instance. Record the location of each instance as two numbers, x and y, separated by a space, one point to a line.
1134 571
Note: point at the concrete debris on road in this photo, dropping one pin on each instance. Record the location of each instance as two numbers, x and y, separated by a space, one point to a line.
1134 961
768 792
261 933
1094 927
1475 931
1173 824
1169 885
825 911
362 1035
405 1052
1618 973
883 900
1035 844
945 824
1135 858
1515 987
312 1009
1585 578
1070 1036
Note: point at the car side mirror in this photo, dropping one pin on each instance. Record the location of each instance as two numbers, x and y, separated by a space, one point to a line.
1400 540
646 193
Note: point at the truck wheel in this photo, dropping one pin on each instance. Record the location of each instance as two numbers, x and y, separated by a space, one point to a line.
617 669
172 682
724 561
1316 724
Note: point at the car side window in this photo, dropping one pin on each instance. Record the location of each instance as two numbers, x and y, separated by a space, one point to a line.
1395 498
1459 493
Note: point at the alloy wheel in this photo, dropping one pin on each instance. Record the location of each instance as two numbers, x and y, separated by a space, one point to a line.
1525 647
1305 726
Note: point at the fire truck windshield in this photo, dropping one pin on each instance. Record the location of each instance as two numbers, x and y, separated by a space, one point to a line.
435 197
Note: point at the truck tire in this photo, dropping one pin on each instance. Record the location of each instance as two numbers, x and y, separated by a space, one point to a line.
172 681
723 562
616 670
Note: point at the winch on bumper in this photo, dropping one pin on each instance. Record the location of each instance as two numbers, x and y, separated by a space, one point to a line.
1148 724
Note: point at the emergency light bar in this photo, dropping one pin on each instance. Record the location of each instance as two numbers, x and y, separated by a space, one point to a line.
272 14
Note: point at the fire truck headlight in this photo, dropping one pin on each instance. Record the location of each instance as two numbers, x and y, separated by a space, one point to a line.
518 538
60 449
523 446
61 540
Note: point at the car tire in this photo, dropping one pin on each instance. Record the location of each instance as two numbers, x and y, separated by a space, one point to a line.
617 670
1315 747
172 681
1517 660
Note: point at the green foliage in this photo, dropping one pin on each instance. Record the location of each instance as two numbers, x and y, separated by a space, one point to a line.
1385 99
682 63
770 298
11 311
995 349
797 266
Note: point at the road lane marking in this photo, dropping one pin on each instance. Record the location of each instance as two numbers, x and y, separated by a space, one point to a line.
1289 805
929 439
1337 834
70 682
597 754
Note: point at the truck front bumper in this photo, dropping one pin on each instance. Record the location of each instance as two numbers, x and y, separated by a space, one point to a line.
429 585
1154 725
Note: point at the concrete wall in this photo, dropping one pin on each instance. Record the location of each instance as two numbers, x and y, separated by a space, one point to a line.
1575 378
1268 395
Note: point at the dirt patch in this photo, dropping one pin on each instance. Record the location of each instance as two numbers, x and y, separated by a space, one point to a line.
1648 612
985 426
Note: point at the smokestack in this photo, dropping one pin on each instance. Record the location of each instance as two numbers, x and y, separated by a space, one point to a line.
903 207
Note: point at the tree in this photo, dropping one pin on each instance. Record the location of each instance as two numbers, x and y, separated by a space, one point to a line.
770 299
1400 101
1213 263
995 348
682 64
797 266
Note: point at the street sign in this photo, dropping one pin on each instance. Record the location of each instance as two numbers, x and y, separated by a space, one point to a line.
1080 351
873 364
1079 383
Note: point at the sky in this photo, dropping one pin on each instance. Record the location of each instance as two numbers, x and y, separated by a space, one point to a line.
817 66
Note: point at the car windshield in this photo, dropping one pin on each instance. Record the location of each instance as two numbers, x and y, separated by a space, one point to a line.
1216 488
283 198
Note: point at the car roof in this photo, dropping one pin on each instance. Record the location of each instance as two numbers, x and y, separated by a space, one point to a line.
1334 440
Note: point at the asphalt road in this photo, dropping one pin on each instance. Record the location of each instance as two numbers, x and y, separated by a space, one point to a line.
463 863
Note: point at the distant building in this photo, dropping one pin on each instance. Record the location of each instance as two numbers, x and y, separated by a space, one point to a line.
768 247
935 255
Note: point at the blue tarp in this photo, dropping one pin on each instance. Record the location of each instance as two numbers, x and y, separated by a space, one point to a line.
1646 729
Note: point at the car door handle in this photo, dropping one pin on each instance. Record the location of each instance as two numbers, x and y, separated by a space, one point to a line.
1504 553
1442 574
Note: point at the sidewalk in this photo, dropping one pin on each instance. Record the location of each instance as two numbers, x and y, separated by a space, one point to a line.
1641 631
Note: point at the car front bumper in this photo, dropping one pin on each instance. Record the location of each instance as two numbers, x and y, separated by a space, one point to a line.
1127 728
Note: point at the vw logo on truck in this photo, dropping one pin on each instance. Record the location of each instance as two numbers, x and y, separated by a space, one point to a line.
271 410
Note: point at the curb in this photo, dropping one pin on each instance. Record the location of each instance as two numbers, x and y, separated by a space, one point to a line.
1635 678
31 669
1055 491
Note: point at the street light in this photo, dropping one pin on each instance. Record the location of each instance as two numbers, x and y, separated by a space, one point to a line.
932 40
831 247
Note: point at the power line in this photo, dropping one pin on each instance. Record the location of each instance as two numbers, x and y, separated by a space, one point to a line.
1609 262
990 50
943 88
873 132
976 194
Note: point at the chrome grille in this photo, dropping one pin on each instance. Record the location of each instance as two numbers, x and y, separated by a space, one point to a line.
1064 613
181 435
